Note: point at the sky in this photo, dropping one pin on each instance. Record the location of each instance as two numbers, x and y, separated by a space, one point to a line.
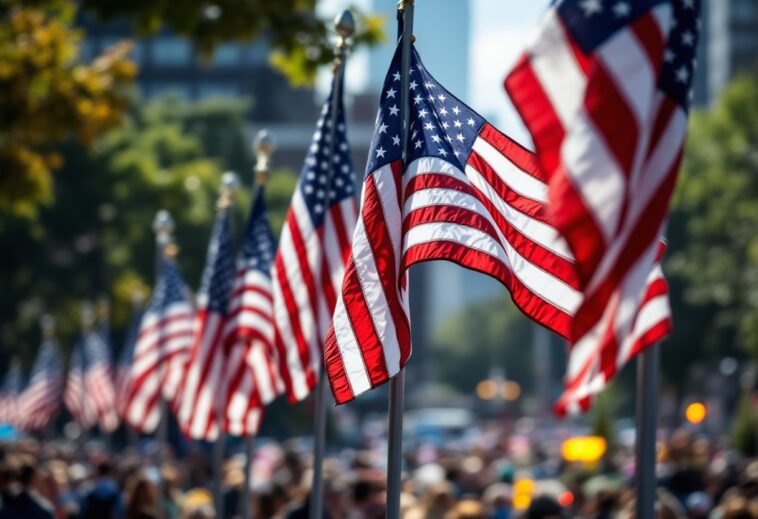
499 31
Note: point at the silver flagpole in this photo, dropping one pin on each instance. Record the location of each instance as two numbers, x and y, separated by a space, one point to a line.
397 384
229 185
344 25
163 227
647 417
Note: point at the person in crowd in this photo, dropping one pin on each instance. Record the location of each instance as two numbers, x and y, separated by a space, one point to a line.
104 500
20 500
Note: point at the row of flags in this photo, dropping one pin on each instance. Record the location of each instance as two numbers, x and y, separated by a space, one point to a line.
572 230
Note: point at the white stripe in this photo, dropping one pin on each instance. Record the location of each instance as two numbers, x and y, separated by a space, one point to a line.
350 351
513 176
260 370
556 68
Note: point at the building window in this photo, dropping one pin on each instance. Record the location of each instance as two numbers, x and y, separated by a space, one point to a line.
227 55
213 89
171 51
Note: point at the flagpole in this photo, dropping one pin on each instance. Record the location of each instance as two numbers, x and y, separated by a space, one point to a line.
397 384
163 226
103 313
344 25
647 418
87 321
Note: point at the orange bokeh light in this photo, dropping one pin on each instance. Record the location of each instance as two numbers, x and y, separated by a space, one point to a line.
696 412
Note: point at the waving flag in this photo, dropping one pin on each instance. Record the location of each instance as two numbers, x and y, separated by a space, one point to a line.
122 378
252 374
161 350
75 396
604 90
467 194
203 386
98 380
40 400
313 248
9 394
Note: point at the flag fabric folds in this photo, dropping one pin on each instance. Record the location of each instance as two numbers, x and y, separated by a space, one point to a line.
604 91
9 395
161 350
202 392
313 247
252 373
122 380
40 400
75 396
98 380
467 194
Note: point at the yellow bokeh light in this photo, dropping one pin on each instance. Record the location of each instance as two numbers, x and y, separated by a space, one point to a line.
695 412
587 449
510 390
522 493
486 389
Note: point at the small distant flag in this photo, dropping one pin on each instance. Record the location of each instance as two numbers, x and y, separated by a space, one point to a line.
313 248
9 394
202 390
161 350
98 378
75 396
252 373
40 400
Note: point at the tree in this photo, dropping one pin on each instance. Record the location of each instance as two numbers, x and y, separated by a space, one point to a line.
715 220
97 237
46 97
299 39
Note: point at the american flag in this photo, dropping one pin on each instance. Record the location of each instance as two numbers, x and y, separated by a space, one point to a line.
202 390
40 400
469 195
161 349
75 396
252 376
9 393
313 248
604 90
98 380
122 377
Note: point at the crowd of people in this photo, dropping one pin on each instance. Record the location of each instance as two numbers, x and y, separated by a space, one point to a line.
698 478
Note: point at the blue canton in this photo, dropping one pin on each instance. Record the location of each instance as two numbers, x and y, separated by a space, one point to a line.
258 244
593 22
218 276
322 177
47 363
441 125
95 349
169 289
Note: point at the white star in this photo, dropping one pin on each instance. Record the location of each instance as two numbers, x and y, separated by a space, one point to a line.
318 208
422 112
418 144
308 189
456 152
431 98
441 97
383 128
445 125
682 74
457 123
621 9
336 159
429 85
591 7
320 193
338 182
436 138
316 136
396 140
428 126
443 111
394 110
417 99
380 152
669 56
470 122
314 147
343 146
442 152
322 179
448 138
341 127
391 93
413 85
396 76
688 38
345 168
413 135
324 166
456 110
332 194
311 175
459 137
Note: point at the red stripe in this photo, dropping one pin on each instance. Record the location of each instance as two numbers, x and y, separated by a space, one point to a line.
533 306
301 253
146 348
249 288
343 238
522 158
650 39
163 322
449 214
294 319
335 367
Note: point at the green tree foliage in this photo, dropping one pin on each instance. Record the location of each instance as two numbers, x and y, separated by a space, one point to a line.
745 426
300 40
97 237
715 222
46 96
